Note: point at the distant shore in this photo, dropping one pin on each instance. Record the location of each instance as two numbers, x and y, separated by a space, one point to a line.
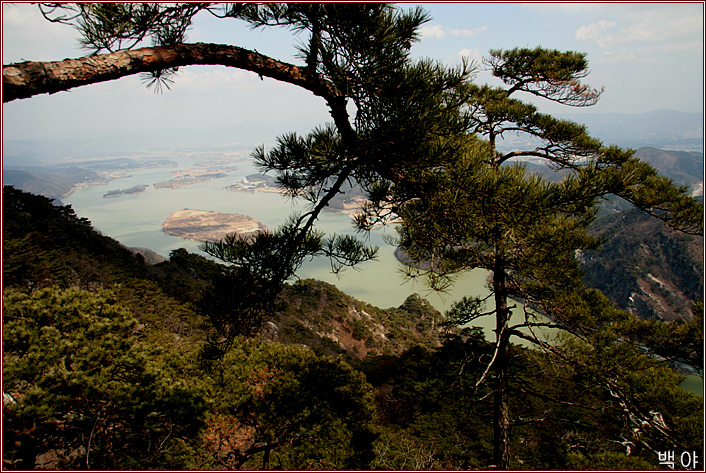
258 183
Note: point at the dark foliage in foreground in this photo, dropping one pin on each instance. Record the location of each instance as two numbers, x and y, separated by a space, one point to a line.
122 376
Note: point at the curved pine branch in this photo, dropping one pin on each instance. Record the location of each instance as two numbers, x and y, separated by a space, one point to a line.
27 79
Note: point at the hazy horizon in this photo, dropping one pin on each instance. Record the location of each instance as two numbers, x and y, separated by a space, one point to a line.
647 56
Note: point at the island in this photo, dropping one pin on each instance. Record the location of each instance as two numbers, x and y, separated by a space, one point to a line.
203 225
133 190
187 180
186 177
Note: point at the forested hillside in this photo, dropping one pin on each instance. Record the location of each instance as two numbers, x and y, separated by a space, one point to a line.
642 265
50 246
645 267
114 363
53 183
109 364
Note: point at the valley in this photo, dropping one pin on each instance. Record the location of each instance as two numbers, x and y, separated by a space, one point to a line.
224 183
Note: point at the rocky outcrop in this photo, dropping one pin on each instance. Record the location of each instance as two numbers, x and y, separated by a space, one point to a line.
320 316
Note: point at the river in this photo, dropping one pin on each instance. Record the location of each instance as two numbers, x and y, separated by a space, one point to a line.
136 221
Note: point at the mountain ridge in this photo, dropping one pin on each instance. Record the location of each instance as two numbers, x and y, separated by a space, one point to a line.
645 267
48 245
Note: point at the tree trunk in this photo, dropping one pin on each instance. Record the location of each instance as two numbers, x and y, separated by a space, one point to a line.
30 78
501 409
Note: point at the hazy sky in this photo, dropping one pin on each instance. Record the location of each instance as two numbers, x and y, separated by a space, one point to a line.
647 56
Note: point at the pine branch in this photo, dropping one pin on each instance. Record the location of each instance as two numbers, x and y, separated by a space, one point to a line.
558 401
27 79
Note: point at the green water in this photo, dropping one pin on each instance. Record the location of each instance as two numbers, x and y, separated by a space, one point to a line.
135 220
694 383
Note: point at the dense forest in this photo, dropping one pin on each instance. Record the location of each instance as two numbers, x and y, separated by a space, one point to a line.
233 362
109 363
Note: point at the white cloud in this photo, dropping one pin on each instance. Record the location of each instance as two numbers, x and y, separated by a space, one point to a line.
471 54
644 23
28 36
432 31
438 31
597 32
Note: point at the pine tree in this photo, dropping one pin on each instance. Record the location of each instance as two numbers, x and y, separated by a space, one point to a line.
86 388
423 145
482 210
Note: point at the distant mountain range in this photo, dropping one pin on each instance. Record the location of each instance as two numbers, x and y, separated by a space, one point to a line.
686 168
664 129
670 130
58 180
109 143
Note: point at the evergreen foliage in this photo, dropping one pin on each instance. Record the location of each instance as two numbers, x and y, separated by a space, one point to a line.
434 415
102 379
123 377
86 390
550 74
479 210
287 408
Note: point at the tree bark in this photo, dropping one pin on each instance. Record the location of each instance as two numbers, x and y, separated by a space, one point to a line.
24 80
501 408
27 79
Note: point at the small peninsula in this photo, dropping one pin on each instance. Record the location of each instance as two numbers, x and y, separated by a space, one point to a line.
188 179
194 175
203 225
